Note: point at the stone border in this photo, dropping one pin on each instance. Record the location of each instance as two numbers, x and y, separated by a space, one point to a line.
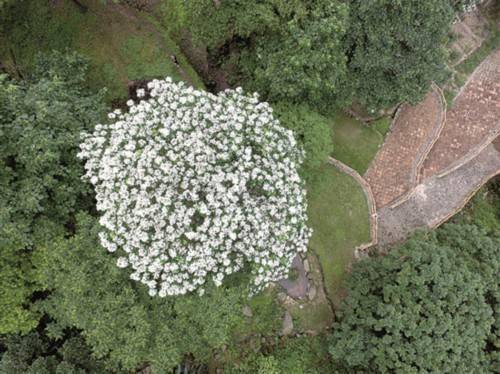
471 154
436 223
360 250
415 174
472 75
393 121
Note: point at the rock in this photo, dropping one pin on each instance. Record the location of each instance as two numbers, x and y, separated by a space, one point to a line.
311 293
247 312
307 268
281 296
287 328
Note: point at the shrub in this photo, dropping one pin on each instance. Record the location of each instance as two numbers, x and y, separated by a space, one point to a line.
312 131
427 306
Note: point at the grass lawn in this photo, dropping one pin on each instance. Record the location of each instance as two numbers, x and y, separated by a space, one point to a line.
355 143
312 316
119 48
338 214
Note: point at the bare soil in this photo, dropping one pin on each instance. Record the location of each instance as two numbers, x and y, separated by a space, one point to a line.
470 32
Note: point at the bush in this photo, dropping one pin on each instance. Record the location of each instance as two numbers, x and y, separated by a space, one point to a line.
312 131
427 306
34 353
292 356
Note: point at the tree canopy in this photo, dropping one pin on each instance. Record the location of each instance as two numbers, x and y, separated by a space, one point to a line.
284 50
41 120
427 306
121 322
396 49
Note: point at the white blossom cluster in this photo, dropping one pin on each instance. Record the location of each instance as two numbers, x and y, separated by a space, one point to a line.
469 6
195 186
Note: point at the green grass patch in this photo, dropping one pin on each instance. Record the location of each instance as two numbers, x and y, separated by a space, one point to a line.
382 125
338 214
119 48
312 316
355 143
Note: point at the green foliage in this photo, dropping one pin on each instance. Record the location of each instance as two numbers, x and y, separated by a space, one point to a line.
41 120
484 209
311 130
285 50
239 18
427 306
464 5
305 355
36 354
305 60
396 49
119 320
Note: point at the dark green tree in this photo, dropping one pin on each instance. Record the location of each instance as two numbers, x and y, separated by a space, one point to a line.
40 124
426 307
396 48
285 50
35 353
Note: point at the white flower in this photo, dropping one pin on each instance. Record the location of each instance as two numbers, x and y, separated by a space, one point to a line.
141 92
122 262
192 186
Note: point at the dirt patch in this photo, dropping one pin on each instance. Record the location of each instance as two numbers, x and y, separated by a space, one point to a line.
474 118
212 74
296 288
469 32
391 173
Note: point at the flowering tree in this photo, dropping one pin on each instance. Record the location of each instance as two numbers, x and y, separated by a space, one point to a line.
194 186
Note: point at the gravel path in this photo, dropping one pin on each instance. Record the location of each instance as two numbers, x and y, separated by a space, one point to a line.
437 198
472 122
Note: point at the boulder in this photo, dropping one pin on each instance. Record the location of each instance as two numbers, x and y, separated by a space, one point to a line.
287 328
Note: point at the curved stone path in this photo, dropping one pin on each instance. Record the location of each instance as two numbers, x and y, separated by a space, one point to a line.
464 157
473 121
393 171
436 199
